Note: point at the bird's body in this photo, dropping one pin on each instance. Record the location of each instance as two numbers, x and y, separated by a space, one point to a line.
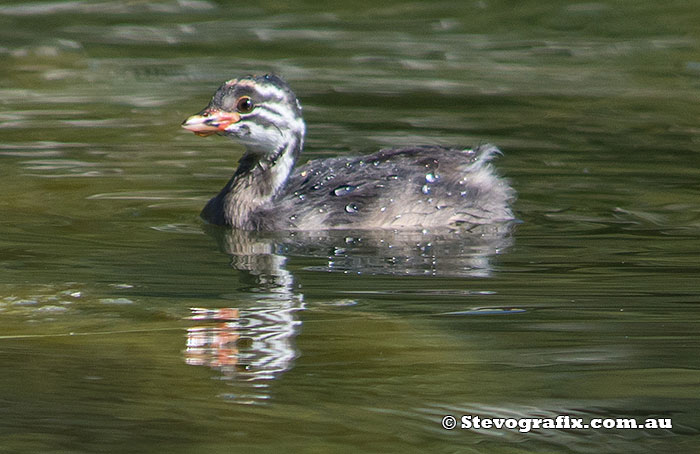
402 188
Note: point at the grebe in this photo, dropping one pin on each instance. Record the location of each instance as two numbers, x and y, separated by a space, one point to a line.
401 188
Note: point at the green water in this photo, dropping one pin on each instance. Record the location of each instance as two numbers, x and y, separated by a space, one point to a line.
348 342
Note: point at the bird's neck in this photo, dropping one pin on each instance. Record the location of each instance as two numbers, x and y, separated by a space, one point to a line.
257 181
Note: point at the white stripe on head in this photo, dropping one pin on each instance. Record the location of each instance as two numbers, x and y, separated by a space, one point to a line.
266 91
270 91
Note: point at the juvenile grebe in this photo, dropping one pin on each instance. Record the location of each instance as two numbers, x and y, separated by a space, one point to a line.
401 188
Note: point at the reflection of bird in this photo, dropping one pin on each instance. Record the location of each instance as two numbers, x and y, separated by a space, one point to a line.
403 188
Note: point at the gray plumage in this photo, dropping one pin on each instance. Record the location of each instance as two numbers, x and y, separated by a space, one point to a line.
401 188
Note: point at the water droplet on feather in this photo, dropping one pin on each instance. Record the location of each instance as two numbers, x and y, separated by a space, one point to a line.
343 190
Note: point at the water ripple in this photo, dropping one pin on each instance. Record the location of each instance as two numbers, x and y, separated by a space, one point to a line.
106 8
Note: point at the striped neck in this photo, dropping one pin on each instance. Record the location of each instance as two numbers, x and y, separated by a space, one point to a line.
257 181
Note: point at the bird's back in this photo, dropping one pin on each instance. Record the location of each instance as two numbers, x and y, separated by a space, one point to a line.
414 187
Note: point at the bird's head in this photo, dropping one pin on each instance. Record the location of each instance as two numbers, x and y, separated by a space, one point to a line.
261 112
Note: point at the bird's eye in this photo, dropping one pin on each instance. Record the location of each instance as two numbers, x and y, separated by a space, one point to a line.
244 104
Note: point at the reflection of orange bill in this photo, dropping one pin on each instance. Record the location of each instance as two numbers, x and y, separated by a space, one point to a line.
226 357
225 313
212 346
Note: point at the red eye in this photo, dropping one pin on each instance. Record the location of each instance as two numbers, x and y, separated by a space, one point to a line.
244 104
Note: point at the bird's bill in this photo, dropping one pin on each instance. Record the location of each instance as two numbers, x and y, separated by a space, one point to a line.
210 122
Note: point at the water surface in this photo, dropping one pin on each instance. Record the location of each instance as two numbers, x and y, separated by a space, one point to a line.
127 325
